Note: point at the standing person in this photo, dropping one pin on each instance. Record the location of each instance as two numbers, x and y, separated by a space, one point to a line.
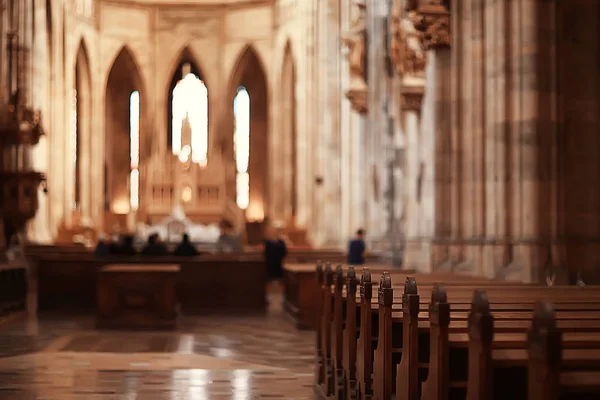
357 250
275 251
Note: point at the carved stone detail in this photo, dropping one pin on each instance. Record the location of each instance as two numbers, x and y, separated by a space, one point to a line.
412 97
406 43
432 17
355 40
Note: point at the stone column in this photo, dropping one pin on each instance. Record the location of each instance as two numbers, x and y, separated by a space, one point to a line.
578 96
333 99
378 138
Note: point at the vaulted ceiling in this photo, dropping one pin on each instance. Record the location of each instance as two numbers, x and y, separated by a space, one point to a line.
184 2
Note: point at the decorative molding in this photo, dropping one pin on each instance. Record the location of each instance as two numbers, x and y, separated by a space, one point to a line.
412 98
432 18
355 40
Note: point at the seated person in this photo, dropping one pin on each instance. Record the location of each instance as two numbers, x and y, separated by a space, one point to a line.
102 249
127 248
228 242
114 247
186 248
154 247
357 249
121 245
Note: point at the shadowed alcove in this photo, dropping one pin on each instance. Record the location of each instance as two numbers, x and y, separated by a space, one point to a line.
248 87
124 101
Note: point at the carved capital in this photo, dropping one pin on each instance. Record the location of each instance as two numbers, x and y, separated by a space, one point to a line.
359 99
432 17
412 98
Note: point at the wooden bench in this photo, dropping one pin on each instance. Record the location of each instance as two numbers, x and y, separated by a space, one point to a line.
397 323
206 284
137 296
302 291
333 338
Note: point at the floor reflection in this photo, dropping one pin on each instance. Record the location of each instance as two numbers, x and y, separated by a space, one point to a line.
64 358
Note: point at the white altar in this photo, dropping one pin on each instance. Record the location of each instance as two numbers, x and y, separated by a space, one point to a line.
172 228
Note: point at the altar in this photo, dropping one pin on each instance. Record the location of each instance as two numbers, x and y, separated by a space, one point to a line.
183 186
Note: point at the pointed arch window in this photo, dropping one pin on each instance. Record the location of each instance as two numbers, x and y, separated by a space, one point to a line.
75 147
241 145
134 150
190 118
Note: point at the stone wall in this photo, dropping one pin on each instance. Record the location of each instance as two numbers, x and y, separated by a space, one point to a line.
508 131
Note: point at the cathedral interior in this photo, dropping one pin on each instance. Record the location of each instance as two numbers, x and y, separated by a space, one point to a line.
458 134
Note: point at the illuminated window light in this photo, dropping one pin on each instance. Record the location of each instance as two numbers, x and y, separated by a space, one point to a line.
241 146
134 150
242 183
134 189
190 100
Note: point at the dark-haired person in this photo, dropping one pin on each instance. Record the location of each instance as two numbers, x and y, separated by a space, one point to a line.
275 251
186 248
357 250
154 247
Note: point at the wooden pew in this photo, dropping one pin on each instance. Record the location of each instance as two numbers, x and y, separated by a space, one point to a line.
554 364
344 382
415 328
336 347
342 335
207 283
302 291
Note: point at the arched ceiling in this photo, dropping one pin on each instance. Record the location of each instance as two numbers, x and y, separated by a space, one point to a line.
186 2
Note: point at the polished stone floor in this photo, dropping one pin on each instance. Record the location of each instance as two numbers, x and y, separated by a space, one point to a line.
62 357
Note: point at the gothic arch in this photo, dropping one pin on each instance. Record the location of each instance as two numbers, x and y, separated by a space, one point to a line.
249 72
124 78
183 57
82 95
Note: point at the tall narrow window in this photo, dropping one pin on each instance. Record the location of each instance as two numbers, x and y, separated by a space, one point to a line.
190 118
74 148
241 145
134 150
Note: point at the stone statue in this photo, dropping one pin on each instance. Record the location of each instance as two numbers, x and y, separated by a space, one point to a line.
406 43
355 40
415 57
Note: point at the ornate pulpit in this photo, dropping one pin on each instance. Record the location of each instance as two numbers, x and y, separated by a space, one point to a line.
20 129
